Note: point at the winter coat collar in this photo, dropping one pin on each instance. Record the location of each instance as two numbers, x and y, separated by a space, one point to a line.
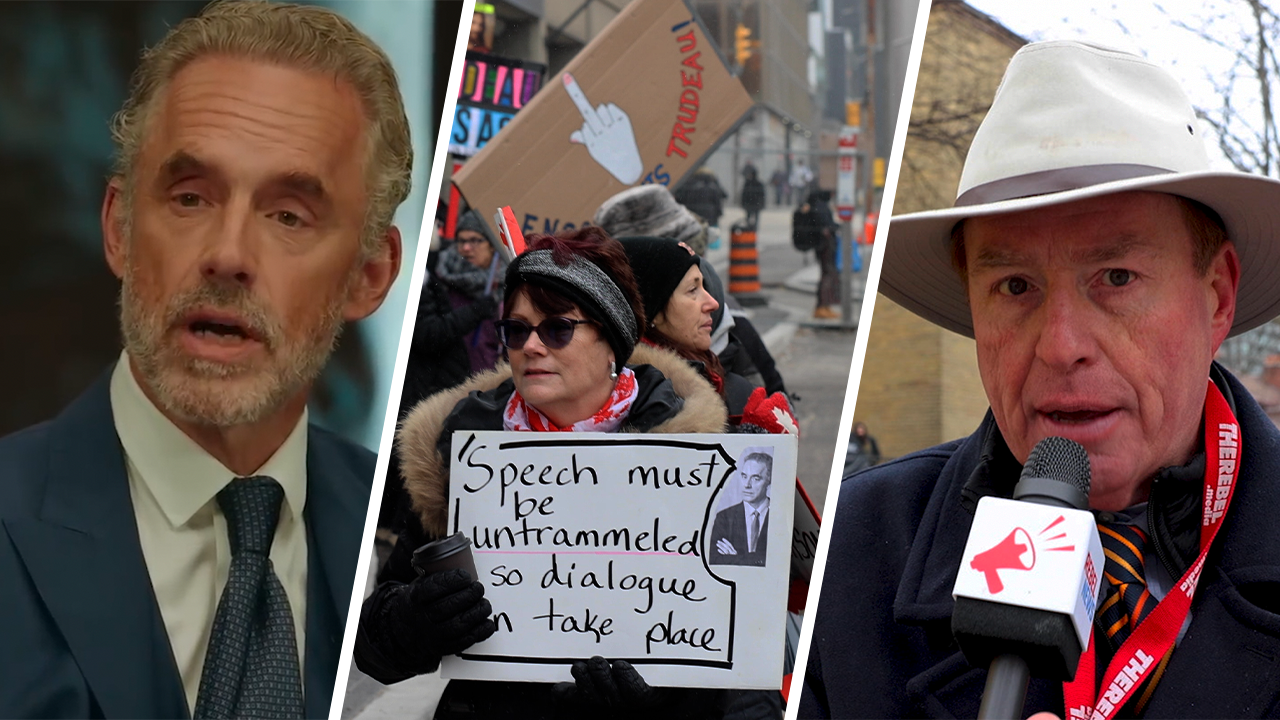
1231 652
426 470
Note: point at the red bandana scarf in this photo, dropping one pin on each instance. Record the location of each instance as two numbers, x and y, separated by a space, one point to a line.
523 417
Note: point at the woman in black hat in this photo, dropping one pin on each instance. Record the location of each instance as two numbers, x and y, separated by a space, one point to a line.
571 320
680 311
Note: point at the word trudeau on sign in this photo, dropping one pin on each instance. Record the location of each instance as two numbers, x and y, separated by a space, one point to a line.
650 97
691 83
590 544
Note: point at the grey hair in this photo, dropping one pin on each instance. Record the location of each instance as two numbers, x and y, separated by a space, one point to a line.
300 36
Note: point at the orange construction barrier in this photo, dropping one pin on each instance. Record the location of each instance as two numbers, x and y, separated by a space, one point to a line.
744 262
869 230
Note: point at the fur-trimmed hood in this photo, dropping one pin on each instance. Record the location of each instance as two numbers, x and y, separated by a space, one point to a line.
426 473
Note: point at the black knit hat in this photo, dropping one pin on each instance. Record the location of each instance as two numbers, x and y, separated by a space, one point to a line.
586 285
715 288
659 265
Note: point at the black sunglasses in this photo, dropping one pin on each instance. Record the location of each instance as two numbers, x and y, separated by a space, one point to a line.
555 332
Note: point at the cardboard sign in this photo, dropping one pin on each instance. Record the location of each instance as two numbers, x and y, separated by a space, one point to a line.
642 103
804 536
669 551
493 89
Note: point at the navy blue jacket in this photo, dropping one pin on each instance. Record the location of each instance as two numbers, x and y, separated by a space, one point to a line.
882 644
80 631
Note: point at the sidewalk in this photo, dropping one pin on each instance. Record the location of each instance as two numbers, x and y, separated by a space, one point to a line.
788 278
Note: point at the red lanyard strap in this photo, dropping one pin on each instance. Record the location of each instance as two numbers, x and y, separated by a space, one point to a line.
1141 652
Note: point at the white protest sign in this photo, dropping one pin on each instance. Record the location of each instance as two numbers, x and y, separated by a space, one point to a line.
669 551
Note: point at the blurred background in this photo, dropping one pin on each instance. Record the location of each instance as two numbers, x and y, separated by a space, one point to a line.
64 70
920 383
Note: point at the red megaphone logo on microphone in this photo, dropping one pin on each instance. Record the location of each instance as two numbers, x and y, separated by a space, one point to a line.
1015 552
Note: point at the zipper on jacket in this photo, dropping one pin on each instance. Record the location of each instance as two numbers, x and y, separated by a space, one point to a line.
1157 543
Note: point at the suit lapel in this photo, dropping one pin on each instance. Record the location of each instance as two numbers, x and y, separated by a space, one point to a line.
337 504
86 561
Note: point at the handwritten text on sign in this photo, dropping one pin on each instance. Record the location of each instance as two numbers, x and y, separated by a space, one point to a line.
591 544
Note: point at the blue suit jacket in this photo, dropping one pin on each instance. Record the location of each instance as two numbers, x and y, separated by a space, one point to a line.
80 630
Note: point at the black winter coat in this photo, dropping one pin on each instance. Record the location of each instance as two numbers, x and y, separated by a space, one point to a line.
673 399
704 196
752 195
437 360
882 645
438 357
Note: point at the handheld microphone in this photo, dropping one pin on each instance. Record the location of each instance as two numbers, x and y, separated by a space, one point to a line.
1028 580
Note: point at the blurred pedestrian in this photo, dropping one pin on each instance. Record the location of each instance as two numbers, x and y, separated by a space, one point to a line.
863 451
735 340
472 270
781 189
814 222
801 179
453 336
752 200
703 195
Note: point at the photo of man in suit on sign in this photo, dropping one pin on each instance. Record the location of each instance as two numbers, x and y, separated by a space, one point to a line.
740 535
180 541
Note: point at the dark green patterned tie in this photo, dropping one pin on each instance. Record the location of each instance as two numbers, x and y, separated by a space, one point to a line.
251 668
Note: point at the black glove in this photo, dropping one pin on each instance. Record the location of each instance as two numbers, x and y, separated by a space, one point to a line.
613 686
406 629
604 690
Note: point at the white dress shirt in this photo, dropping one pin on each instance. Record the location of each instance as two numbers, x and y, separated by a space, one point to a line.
173 483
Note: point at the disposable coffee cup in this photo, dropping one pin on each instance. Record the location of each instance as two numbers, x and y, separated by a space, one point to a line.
451 553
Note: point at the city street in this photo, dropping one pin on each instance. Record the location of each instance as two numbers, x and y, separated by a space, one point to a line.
813 358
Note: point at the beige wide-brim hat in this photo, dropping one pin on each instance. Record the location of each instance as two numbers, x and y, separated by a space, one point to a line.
1072 121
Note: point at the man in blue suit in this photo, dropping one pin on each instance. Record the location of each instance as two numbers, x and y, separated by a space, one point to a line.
179 540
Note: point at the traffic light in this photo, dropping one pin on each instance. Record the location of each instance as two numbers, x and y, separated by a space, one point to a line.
743 45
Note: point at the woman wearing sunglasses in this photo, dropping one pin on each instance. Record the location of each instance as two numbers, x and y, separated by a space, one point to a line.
572 318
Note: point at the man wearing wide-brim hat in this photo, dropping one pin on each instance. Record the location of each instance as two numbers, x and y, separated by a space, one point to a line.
1099 264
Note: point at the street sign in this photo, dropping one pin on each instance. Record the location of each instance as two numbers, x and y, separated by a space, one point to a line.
846 172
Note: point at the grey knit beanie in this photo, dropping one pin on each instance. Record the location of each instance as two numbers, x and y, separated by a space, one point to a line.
471 220
586 285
